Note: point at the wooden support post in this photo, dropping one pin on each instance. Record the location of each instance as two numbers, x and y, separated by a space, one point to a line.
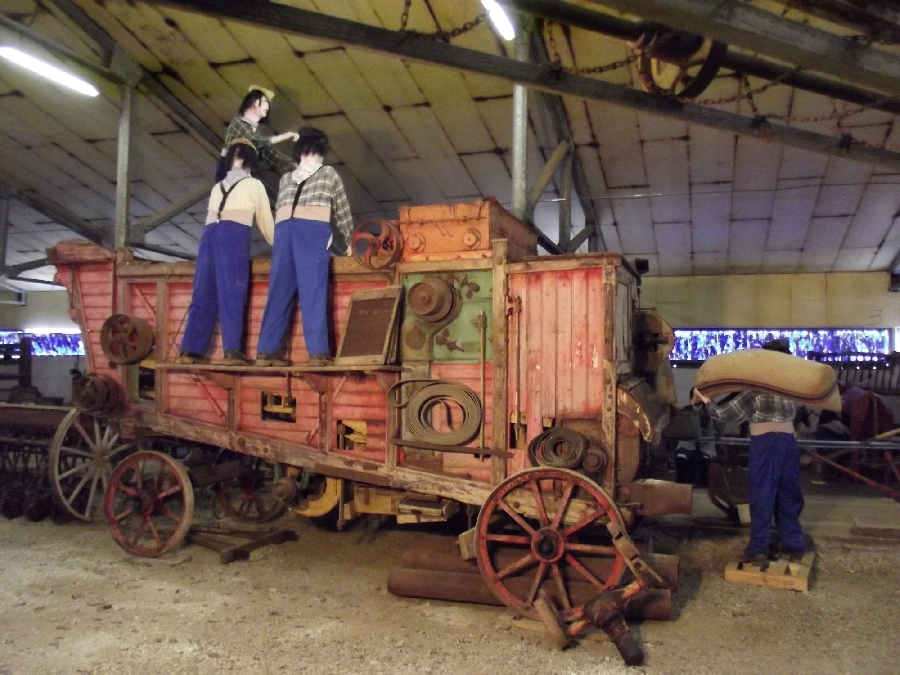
500 346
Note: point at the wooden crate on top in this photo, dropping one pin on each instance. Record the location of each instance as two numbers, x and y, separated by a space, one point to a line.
462 232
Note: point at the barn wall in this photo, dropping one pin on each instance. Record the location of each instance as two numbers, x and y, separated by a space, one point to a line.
837 300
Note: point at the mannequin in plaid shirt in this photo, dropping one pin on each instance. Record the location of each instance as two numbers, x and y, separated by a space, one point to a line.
310 199
773 468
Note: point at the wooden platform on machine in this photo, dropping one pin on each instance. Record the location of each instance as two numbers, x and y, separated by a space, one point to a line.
781 573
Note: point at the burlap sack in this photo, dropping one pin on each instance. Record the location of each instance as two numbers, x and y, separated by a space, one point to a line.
809 383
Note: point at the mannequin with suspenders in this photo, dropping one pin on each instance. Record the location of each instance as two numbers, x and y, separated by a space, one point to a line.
222 273
311 199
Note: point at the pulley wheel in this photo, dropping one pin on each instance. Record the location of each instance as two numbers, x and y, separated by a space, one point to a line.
126 339
431 299
376 244
96 393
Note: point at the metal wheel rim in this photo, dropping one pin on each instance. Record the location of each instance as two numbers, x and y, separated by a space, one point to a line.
552 528
150 495
83 461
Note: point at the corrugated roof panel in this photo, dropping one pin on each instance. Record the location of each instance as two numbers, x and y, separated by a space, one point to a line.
781 262
710 214
710 262
635 225
711 154
423 131
747 245
852 259
877 209
620 145
823 241
381 134
667 172
791 214
415 180
490 174
207 35
675 240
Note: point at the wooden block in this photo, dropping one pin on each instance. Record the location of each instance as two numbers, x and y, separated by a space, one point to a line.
781 573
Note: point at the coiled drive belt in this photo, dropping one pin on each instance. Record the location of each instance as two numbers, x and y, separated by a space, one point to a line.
420 403
559 448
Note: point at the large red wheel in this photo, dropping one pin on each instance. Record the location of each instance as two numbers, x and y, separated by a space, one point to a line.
149 504
534 534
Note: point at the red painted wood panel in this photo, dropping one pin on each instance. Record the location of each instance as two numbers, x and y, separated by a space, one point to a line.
189 396
561 357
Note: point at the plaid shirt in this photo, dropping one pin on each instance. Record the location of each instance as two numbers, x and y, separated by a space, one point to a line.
754 406
269 156
323 188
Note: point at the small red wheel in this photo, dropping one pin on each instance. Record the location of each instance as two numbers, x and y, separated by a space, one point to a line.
376 244
250 498
149 503
533 535
126 339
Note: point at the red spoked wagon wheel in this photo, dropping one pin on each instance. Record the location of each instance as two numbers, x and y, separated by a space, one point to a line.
376 244
149 504
534 536
250 498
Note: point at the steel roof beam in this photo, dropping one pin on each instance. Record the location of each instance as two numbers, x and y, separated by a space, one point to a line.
627 30
743 25
286 19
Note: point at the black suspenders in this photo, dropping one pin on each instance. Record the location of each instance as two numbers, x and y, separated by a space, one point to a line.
297 195
225 194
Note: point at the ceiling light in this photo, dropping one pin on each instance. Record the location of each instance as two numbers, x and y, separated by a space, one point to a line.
50 72
499 19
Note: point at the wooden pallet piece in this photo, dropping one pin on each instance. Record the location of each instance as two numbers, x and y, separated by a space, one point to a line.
232 545
781 573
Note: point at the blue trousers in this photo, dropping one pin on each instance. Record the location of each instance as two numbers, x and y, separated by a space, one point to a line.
221 279
300 267
774 489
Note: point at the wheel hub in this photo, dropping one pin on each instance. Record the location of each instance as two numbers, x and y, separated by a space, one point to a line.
548 545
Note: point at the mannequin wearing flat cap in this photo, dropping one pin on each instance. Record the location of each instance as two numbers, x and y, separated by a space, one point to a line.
253 110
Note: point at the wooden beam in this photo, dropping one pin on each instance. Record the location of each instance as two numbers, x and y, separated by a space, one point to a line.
16 270
59 215
738 23
540 183
291 20
150 223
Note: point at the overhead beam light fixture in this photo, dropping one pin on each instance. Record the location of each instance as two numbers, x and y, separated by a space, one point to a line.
499 19
50 72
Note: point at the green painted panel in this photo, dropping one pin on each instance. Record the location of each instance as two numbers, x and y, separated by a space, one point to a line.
457 338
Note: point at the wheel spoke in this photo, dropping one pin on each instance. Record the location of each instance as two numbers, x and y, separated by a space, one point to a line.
140 531
84 435
154 533
538 580
519 565
165 510
563 504
117 450
122 516
539 501
584 571
561 585
584 522
81 484
78 452
171 491
515 516
90 501
592 549
84 466
509 539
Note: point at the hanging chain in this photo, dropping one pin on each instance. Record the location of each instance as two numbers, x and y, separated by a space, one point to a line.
556 60
404 18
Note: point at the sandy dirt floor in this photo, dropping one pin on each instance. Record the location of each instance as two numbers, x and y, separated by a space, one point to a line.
73 602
